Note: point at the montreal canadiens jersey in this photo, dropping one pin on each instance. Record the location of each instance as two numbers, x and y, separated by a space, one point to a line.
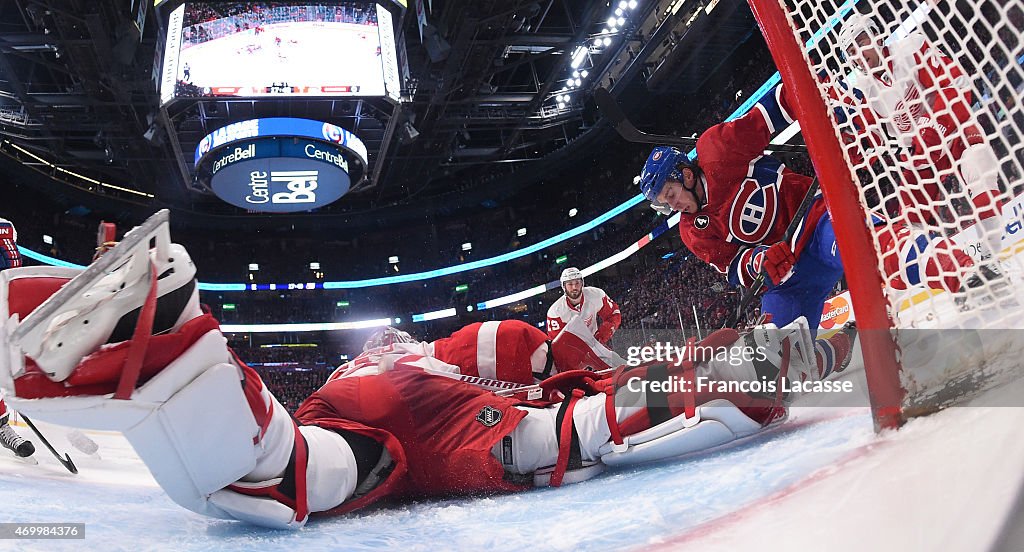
600 314
9 255
750 197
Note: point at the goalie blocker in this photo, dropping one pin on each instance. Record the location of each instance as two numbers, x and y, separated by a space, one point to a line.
221 445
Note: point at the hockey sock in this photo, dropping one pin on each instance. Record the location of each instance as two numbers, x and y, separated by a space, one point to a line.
831 354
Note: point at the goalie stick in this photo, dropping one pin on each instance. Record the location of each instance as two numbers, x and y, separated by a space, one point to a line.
611 110
749 293
65 460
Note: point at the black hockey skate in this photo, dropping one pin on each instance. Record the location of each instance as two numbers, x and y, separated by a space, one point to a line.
18 444
987 288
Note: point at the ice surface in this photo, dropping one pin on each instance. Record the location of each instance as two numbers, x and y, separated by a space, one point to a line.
823 480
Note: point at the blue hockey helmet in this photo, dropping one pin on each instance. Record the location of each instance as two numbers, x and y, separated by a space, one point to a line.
665 163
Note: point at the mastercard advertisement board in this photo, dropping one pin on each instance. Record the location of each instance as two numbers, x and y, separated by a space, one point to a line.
838 310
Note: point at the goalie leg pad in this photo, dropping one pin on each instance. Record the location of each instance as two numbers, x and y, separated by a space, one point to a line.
720 422
191 453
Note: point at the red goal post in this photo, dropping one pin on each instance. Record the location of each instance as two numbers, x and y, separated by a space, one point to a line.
870 305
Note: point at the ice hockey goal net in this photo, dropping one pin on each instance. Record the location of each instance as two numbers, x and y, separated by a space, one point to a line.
912 113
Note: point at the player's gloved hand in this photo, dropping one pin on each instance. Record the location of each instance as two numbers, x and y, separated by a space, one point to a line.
776 261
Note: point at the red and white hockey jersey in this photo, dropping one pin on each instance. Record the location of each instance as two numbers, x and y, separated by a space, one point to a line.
920 100
600 314
921 95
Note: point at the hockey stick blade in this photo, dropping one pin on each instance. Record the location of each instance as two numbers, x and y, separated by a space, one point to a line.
29 331
611 110
65 461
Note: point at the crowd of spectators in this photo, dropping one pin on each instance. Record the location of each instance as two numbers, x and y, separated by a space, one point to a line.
205 22
654 290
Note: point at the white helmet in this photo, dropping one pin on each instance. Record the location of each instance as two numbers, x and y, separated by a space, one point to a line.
854 26
387 336
570 274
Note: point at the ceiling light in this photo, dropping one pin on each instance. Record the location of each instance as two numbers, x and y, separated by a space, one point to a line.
607 40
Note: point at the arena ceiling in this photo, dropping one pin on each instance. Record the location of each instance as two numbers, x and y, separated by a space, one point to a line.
79 98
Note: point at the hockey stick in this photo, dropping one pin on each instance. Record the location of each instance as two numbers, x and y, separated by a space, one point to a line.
611 110
749 293
66 460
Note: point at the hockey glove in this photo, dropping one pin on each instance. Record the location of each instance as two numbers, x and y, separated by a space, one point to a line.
776 261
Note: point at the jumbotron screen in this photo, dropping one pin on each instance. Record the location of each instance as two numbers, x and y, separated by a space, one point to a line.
256 49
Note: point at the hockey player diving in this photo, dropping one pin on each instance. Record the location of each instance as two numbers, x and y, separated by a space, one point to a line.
735 204
124 345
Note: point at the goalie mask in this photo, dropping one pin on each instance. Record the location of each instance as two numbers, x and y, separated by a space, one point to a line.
665 163
387 336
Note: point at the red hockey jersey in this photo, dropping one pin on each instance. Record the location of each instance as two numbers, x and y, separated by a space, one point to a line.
438 431
600 314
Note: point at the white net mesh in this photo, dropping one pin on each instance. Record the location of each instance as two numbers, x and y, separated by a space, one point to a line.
925 98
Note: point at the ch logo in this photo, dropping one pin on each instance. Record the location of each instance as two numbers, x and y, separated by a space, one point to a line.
753 211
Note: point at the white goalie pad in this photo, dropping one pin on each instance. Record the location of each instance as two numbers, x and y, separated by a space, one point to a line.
83 314
771 344
720 422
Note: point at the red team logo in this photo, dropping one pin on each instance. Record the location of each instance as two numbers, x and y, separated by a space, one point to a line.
753 211
907 110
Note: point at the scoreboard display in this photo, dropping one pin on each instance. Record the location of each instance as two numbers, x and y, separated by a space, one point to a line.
263 49
280 164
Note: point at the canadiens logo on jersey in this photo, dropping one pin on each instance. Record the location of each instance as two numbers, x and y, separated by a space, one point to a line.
701 222
489 416
755 207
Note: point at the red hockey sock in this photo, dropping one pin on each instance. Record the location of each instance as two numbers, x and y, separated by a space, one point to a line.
831 353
